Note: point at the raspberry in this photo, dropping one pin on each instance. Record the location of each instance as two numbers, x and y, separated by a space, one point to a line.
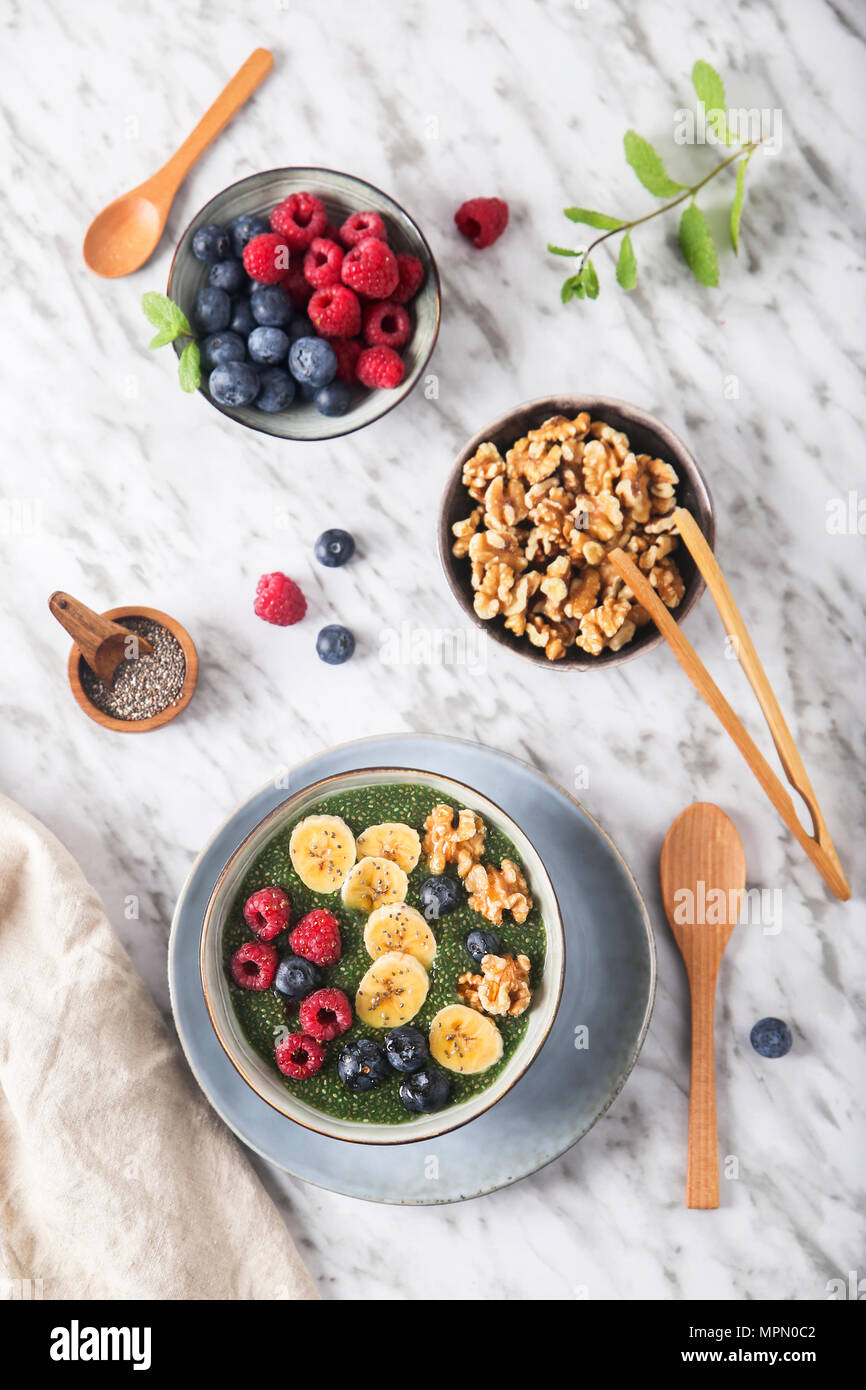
317 938
361 225
371 269
299 1056
268 912
279 600
335 312
298 219
296 284
331 233
482 220
386 324
266 258
325 1014
322 263
254 965
347 350
411 278
380 366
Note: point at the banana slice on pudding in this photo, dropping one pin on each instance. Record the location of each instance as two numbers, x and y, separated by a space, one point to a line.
393 841
372 882
464 1040
322 851
398 927
392 991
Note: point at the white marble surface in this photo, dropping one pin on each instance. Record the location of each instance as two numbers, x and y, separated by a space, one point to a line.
118 488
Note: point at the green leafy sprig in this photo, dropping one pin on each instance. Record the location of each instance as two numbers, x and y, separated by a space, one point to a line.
171 323
695 238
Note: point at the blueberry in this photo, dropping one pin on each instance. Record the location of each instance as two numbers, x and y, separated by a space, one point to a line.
335 644
244 228
242 321
771 1037
362 1066
481 943
277 390
406 1049
312 361
300 327
439 895
425 1092
306 391
271 306
218 348
268 346
211 243
334 399
228 275
334 548
213 309
234 384
296 978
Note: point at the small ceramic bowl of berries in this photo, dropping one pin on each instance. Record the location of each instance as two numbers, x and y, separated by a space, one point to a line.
314 298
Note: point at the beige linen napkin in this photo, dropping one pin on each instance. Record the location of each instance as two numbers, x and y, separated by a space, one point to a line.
116 1178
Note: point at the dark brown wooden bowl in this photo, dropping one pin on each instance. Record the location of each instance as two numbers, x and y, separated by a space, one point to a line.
647 435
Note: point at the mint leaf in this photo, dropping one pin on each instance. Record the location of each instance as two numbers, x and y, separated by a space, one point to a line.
590 280
647 164
626 266
165 315
572 287
189 368
165 335
711 91
696 243
561 250
739 198
599 220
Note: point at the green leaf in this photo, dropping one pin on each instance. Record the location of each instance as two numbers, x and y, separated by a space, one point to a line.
189 368
647 164
739 198
165 335
570 288
599 220
165 315
561 250
590 280
626 266
696 243
711 91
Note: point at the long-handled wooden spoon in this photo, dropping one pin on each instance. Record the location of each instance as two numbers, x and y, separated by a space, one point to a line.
703 874
125 234
102 643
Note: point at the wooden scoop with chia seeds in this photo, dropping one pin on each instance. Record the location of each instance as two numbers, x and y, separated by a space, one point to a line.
102 643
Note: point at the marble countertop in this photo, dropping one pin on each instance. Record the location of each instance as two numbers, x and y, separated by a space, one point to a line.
118 488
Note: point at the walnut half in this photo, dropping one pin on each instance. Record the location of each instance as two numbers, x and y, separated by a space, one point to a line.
501 988
494 891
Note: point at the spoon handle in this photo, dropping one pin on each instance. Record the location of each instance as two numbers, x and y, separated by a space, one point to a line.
702 1180
216 118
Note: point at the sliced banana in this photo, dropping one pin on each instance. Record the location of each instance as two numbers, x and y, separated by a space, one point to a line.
391 841
398 927
462 1039
392 991
373 882
322 851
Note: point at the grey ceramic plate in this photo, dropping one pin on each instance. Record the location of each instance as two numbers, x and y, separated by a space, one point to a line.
341 194
609 988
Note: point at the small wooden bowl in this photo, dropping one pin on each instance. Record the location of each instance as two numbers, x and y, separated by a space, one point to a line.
646 434
156 721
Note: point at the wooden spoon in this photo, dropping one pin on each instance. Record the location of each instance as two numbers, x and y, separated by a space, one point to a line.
703 874
102 643
125 234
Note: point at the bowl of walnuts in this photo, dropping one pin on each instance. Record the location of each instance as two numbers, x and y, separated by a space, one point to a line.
535 502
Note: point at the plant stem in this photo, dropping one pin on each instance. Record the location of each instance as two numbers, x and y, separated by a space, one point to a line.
689 192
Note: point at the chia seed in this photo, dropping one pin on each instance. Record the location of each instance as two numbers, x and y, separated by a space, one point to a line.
143 685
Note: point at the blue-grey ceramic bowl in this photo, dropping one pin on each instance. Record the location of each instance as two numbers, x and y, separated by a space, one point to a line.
342 194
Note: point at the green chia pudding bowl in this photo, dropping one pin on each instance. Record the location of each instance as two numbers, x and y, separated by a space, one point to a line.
262 1016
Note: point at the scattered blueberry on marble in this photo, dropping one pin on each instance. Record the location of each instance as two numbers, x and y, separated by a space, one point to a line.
425 1092
211 244
312 362
335 644
218 348
213 309
334 547
771 1037
244 228
362 1065
439 895
481 943
234 384
271 306
333 399
228 275
268 346
276 392
406 1049
296 978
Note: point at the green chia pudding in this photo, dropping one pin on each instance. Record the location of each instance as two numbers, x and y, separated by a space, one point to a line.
265 1016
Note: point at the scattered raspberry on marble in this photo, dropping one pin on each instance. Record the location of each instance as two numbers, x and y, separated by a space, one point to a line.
482 220
279 600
